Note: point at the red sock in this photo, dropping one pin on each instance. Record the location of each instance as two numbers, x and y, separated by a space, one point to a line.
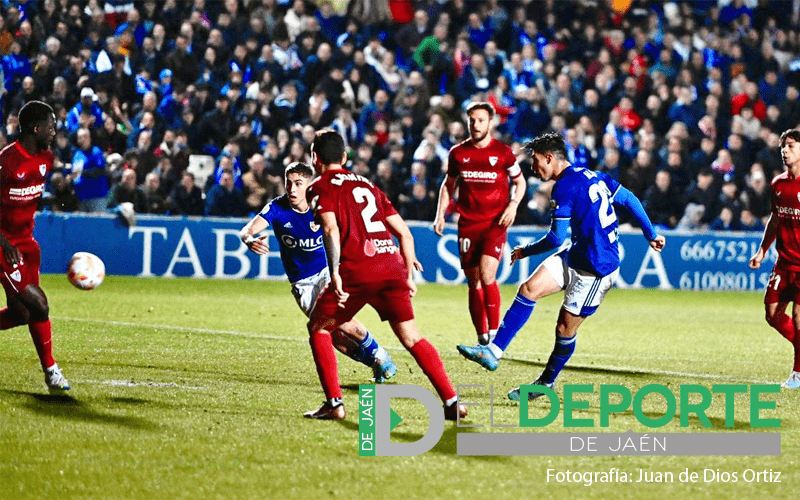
785 326
42 336
428 359
491 296
325 359
5 319
477 310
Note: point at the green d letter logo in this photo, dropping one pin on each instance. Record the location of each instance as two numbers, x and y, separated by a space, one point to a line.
376 420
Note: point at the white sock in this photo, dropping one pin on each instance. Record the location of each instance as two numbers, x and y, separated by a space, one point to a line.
498 353
381 356
451 401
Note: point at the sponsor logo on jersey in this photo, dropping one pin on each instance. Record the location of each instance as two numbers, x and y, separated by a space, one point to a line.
43 168
477 175
378 246
793 212
288 225
21 175
467 160
27 191
306 244
493 160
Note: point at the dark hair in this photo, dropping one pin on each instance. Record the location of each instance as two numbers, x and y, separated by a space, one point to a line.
550 142
32 114
299 167
328 146
787 134
480 105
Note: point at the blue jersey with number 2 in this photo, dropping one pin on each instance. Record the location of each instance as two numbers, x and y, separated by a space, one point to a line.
585 198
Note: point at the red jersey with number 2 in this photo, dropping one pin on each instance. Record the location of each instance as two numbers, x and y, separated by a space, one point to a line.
368 252
482 174
22 178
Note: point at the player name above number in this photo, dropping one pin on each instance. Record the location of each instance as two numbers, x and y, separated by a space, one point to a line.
339 179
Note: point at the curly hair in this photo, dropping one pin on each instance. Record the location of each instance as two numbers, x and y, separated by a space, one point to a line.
550 142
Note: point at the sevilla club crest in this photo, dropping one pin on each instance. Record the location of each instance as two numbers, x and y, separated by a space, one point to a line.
493 160
43 169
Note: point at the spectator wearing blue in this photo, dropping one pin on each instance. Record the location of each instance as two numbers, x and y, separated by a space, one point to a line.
89 171
164 87
531 118
379 109
87 102
225 199
686 109
15 67
171 107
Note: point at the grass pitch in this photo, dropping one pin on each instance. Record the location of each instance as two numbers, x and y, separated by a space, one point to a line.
196 389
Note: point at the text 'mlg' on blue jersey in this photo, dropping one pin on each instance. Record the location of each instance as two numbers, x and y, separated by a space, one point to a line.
299 238
585 199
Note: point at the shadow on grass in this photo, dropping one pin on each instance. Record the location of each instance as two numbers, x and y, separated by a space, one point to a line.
584 369
67 407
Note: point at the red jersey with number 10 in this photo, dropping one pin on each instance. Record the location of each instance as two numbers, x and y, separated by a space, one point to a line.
22 178
786 207
368 252
482 175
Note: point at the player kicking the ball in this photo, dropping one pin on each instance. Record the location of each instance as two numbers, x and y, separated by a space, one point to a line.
24 165
366 267
784 226
584 201
303 257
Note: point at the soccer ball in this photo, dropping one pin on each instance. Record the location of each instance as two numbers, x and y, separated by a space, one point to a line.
86 271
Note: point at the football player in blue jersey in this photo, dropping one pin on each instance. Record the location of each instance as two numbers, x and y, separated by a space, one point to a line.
303 257
584 202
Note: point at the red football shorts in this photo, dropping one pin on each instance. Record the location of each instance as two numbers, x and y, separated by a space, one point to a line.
16 278
783 286
390 298
476 239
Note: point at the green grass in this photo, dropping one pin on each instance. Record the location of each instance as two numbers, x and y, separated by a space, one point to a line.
196 389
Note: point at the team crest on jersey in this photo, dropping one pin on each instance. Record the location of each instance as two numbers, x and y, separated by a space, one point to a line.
16 275
43 169
314 226
798 196
553 204
493 160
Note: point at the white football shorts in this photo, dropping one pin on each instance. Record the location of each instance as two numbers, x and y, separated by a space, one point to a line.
307 290
583 291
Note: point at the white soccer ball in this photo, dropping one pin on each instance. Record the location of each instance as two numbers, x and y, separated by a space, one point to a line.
86 271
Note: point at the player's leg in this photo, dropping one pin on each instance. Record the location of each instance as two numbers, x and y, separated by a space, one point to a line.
781 290
393 304
476 301
547 279
355 341
793 382
492 244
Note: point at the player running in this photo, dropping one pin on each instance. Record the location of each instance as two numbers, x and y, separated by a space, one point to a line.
784 228
480 167
24 165
584 202
366 267
303 257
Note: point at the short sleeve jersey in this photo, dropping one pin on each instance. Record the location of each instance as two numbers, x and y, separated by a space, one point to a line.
585 199
786 207
22 179
299 238
368 252
482 178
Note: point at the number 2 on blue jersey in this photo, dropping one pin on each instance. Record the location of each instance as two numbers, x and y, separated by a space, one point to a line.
600 192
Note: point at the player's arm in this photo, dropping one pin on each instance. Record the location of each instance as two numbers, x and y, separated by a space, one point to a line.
399 228
517 193
330 239
625 198
552 240
445 194
770 232
10 252
257 244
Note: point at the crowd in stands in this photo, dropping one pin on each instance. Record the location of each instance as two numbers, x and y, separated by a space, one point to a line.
195 107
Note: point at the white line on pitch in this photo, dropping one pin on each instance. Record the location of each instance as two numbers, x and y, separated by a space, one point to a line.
131 383
302 339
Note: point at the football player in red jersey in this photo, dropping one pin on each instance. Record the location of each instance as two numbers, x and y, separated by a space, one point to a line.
24 165
366 267
480 167
784 226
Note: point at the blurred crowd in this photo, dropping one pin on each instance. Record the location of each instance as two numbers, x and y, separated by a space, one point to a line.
195 107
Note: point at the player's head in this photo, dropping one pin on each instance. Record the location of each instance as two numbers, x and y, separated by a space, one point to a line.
479 120
327 150
37 120
548 152
790 147
297 177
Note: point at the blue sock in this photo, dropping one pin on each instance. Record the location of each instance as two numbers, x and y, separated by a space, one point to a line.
515 318
366 350
561 353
